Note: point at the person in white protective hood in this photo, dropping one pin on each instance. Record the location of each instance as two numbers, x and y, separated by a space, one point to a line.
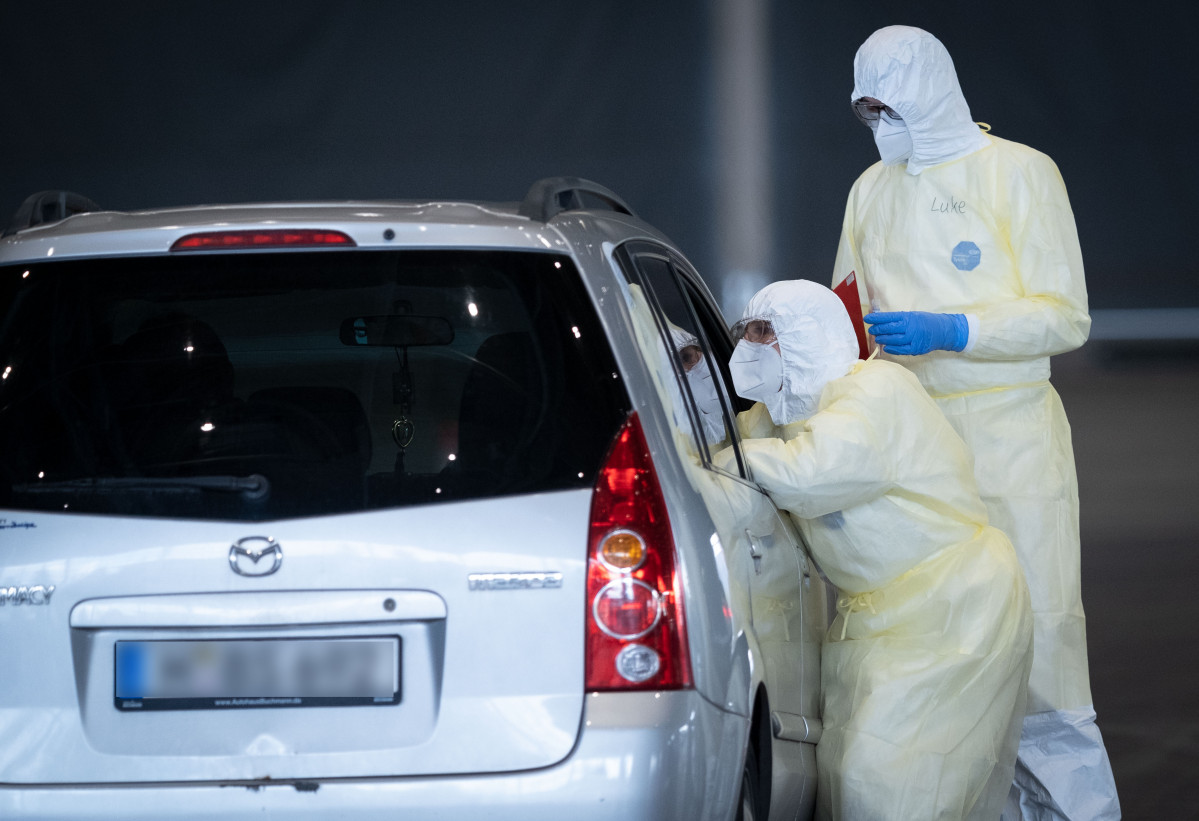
703 389
925 669
967 249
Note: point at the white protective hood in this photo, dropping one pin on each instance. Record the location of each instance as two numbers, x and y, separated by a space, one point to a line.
703 390
815 337
909 70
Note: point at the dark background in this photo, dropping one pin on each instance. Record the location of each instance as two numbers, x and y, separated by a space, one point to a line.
139 104
157 104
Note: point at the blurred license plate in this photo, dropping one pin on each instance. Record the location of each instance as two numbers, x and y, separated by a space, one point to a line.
247 673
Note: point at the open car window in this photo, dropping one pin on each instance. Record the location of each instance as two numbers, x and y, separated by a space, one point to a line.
687 332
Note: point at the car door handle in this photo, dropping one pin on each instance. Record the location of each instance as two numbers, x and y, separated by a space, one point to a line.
755 551
796 728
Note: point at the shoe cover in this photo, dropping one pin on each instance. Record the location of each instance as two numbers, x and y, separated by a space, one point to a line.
1062 771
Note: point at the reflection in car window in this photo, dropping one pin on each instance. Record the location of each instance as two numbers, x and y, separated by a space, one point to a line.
699 391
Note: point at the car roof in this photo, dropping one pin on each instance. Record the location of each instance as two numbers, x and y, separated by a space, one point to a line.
59 224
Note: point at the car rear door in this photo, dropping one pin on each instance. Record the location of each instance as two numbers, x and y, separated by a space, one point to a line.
769 570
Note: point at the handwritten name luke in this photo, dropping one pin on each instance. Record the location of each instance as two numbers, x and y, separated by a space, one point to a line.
954 206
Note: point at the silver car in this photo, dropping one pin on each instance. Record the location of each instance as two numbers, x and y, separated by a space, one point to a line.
386 509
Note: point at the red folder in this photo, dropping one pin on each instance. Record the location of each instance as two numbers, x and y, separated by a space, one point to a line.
847 289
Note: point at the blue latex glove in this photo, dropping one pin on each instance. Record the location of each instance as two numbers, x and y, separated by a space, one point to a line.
917 332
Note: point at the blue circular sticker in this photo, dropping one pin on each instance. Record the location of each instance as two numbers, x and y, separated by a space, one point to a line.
966 256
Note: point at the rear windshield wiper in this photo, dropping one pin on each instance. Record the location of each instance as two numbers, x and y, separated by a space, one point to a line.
254 486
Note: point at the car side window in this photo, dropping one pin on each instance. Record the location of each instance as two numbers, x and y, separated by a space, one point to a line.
689 333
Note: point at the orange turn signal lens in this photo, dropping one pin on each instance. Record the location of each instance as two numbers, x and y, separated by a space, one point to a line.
622 550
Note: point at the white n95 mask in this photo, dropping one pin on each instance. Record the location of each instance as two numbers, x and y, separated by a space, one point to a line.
757 371
893 139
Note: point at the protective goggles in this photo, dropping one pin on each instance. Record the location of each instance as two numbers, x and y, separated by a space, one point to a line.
759 331
868 109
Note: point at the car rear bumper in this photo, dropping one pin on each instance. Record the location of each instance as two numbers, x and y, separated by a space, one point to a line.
670 755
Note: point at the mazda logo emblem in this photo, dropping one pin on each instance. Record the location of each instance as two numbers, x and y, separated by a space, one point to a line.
246 556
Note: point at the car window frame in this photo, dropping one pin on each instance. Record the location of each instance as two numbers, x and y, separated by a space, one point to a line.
715 346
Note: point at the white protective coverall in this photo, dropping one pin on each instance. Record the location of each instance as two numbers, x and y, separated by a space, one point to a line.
925 669
980 226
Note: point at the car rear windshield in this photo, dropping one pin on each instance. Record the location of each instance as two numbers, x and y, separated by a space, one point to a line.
261 385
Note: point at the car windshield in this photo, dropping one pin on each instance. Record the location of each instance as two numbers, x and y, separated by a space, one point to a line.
255 386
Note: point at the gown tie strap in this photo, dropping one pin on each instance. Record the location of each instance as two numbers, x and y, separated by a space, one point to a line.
854 604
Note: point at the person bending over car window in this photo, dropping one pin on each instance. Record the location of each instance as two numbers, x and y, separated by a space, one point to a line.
925 668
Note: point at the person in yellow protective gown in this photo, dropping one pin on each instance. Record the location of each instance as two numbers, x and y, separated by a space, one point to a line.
925 669
966 246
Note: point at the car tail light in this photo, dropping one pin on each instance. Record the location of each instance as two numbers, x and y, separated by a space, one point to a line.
266 238
636 636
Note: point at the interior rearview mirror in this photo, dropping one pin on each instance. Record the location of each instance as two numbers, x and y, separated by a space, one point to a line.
396 331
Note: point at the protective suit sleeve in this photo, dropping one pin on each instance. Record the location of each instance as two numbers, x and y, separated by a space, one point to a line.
756 423
1050 317
833 462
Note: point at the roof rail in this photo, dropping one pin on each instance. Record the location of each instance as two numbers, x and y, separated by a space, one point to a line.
553 195
48 206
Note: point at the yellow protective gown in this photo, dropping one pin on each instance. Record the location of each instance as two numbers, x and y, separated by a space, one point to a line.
1025 288
925 669
981 226
1030 300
